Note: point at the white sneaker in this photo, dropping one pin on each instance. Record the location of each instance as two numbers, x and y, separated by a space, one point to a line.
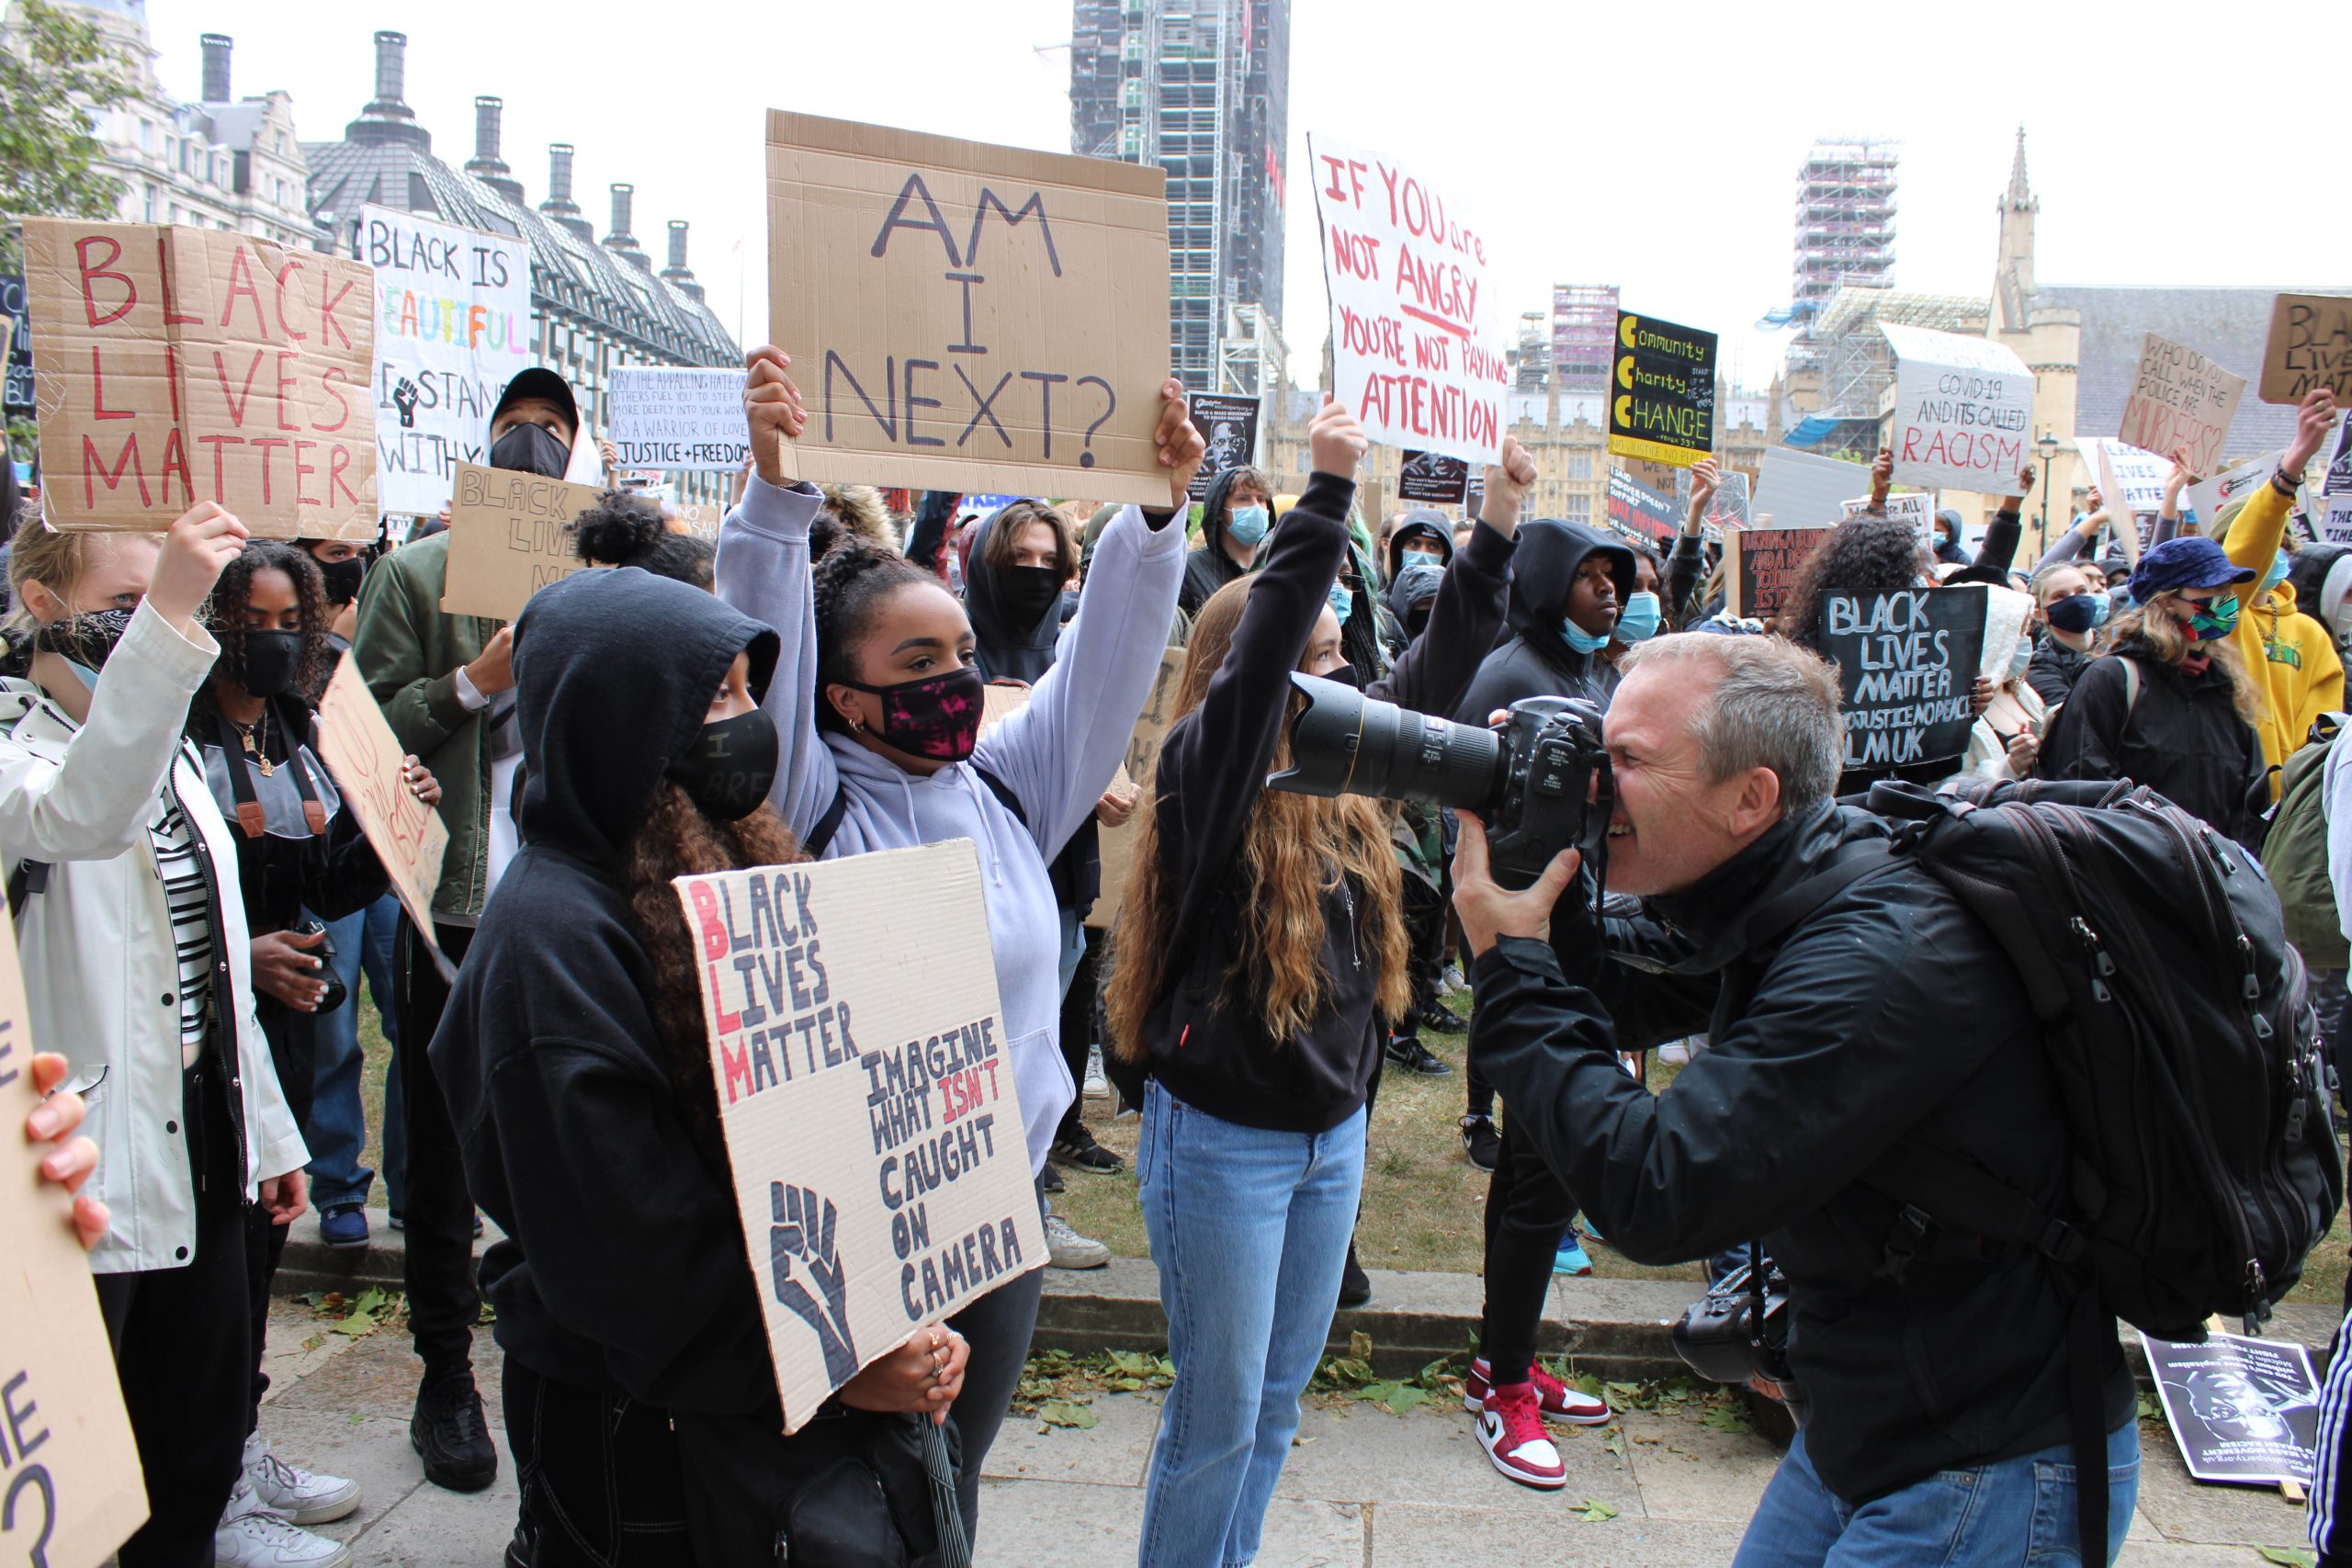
1067 1250
1677 1052
252 1534
1097 1086
302 1497
1453 980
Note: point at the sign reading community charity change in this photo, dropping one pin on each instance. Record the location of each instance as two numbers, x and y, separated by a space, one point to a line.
965 317
181 365
1905 661
2180 401
1963 411
1417 336
867 1101
71 1490
665 418
453 325
1663 406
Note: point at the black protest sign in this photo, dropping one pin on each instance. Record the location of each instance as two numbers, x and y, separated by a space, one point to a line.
1905 661
1229 427
1434 478
1473 498
1635 509
2242 1410
1770 560
17 381
1663 407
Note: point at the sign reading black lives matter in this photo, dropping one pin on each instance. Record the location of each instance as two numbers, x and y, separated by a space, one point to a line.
1434 478
1905 662
867 1101
1663 408
2242 1410
1229 427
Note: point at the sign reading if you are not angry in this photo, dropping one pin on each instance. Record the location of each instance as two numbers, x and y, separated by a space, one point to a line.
866 1098
966 317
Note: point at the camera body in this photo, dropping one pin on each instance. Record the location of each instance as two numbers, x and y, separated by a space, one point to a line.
337 993
1539 780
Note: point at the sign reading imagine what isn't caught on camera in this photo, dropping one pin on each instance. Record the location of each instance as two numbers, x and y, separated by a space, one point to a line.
866 1091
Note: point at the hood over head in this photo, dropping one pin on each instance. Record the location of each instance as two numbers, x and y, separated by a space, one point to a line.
1213 510
614 673
1007 651
1549 555
1421 523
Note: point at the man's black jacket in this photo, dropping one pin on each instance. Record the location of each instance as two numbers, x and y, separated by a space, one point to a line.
1888 1012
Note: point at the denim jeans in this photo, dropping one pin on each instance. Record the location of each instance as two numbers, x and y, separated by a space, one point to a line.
2014 1513
1250 1229
338 1128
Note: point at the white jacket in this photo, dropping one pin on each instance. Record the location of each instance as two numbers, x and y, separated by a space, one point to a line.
100 973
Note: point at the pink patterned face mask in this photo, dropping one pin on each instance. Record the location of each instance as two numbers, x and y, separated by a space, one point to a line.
938 718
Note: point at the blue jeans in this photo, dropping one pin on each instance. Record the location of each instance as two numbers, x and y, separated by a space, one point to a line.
1250 1229
2014 1513
338 1129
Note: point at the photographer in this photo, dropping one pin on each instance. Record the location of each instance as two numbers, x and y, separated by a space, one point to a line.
1935 1365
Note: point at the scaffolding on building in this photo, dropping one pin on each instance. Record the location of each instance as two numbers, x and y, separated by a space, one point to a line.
1252 358
1845 231
1584 325
1857 366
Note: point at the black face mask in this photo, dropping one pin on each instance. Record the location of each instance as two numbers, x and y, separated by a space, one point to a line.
1028 593
1346 675
342 578
267 666
531 449
85 639
730 766
1416 619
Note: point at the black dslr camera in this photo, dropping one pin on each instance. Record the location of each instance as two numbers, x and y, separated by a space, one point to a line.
1539 781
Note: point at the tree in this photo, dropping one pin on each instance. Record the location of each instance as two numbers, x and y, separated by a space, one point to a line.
57 74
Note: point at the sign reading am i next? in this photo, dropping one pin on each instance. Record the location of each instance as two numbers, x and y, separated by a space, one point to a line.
867 1096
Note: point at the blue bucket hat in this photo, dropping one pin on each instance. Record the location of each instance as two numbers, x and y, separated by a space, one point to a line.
2192 561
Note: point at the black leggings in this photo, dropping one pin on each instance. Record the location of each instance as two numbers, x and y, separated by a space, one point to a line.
1527 1213
438 1264
600 1486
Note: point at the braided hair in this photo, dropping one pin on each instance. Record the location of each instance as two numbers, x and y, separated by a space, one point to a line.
224 617
848 587
621 530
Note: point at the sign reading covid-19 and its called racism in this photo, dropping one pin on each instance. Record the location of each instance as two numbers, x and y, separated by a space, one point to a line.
453 325
1963 411
181 365
1416 337
965 317
1662 406
866 1098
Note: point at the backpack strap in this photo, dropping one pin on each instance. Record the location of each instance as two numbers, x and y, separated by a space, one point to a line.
815 840
1789 907
1934 1185
30 877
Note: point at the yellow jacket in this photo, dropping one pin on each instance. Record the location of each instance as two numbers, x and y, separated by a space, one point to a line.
2291 657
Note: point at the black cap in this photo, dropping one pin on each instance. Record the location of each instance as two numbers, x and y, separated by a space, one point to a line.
538 382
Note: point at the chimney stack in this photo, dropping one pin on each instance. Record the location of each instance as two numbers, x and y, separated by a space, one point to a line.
392 71
216 67
486 164
387 117
558 208
620 241
677 274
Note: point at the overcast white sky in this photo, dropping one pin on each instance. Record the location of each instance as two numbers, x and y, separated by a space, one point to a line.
1650 146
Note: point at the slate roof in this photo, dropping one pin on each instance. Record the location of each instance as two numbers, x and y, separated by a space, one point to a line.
2227 325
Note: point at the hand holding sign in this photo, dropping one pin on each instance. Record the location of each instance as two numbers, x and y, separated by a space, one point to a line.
1335 441
68 1165
1183 448
1705 476
771 409
2312 425
1507 483
196 549
922 1376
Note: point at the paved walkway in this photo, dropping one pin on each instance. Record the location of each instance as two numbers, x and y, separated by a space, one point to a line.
1362 1489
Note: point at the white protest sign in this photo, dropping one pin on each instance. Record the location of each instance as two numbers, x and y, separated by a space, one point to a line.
1963 411
2180 401
866 1099
2130 483
663 418
2208 497
2334 504
2243 1410
1915 507
1797 490
453 325
1416 337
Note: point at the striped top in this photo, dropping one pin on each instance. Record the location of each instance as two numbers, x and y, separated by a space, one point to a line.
176 849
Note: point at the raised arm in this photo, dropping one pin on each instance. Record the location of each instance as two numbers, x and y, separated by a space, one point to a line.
1434 672
2261 522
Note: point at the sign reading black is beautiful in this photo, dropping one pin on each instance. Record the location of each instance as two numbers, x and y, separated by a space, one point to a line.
1663 407
1905 662
867 1101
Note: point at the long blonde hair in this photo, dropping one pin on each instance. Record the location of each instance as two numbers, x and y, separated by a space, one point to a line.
2163 634
1295 849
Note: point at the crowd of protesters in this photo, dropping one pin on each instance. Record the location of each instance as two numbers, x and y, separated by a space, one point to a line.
195 908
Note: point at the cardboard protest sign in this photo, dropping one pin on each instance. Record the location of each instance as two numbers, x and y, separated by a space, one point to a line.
1637 509
1433 477
700 518
2180 401
2310 346
2007 611
1417 336
1229 425
453 325
70 1488
1141 767
1663 406
510 536
660 417
360 750
2131 484
17 381
1905 662
2242 1410
2208 496
866 1099
969 317
1770 560
1963 411
186 365
1730 504
1797 490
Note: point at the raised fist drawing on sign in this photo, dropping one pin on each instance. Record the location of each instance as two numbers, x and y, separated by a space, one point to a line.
803 1233
404 397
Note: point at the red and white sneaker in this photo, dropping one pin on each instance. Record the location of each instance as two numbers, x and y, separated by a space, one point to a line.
1510 1428
1556 1399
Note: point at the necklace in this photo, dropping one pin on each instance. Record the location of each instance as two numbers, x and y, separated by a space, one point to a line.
260 727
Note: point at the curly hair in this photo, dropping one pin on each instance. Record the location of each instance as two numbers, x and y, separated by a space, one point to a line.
679 839
224 615
622 530
849 587
1868 553
1295 849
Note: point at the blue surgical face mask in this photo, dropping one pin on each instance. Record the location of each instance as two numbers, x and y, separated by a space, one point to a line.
1247 525
1640 619
1344 599
2274 577
1581 639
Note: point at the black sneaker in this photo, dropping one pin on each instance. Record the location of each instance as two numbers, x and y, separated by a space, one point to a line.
1444 1019
450 1435
1481 1142
1080 1151
1049 1179
1355 1285
1408 1051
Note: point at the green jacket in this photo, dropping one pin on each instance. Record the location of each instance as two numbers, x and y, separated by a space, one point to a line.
409 653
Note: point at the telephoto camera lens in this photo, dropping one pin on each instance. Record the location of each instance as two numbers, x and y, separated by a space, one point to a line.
1347 743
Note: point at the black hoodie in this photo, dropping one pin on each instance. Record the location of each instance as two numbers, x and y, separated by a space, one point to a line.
623 1268
1423 525
1007 651
1208 569
1537 661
